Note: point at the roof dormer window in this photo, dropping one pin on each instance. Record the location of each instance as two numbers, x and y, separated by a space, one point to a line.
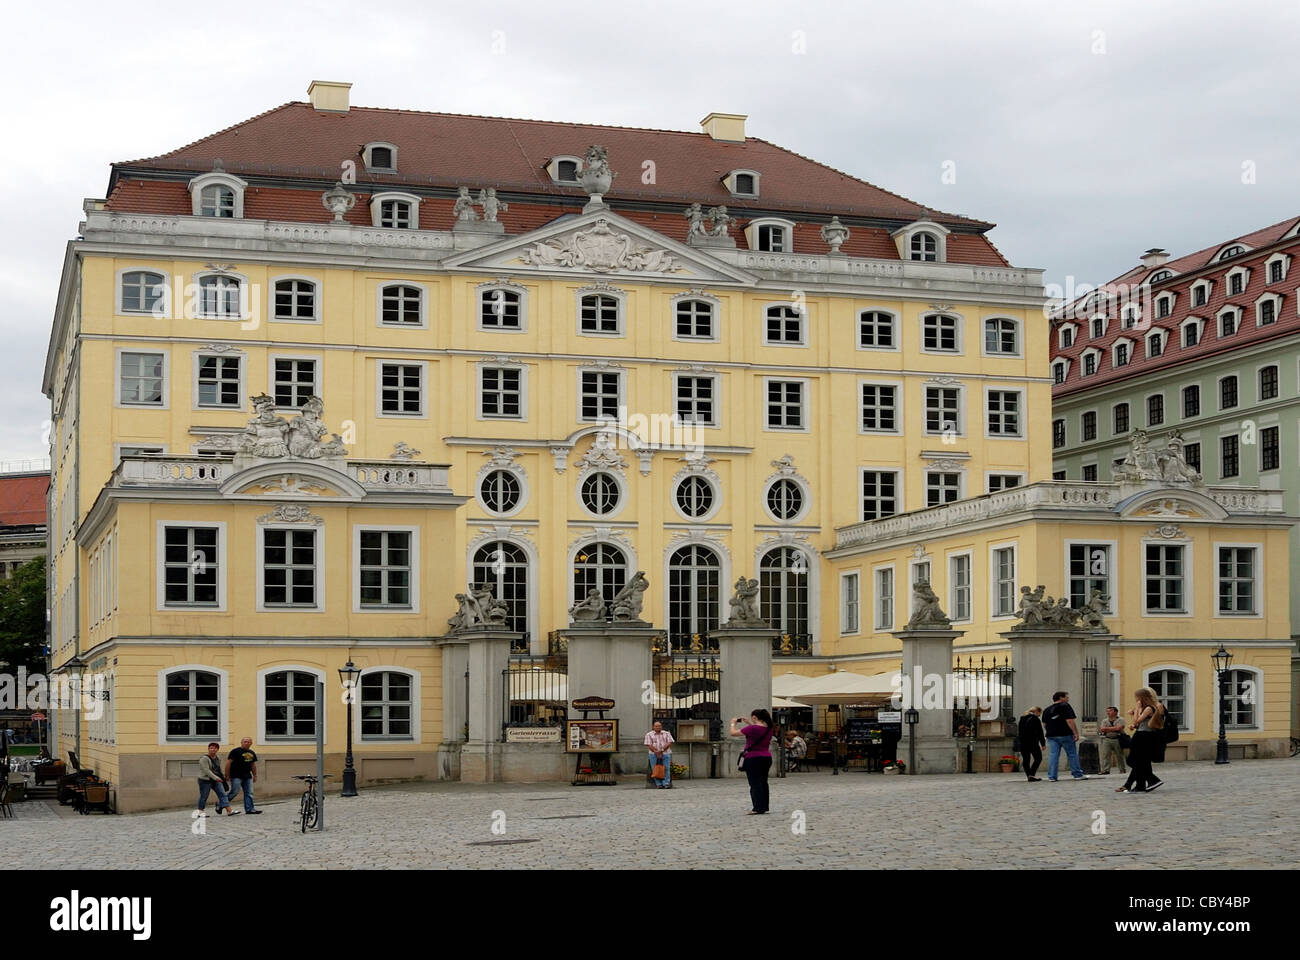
1066 335
564 169
1277 267
1159 275
742 183
1130 318
1090 359
1235 250
380 157
398 211
1237 280
924 246
1201 293
217 194
1164 305
770 235
923 242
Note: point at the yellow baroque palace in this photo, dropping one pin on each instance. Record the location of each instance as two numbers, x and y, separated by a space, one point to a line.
306 389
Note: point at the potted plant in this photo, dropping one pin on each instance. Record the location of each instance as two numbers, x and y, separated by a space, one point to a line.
678 770
1008 764
894 767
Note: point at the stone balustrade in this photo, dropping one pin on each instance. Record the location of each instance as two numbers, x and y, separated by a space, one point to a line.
379 476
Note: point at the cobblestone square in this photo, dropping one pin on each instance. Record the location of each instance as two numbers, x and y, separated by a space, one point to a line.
1205 817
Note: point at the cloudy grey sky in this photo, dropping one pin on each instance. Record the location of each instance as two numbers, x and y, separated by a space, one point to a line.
1087 132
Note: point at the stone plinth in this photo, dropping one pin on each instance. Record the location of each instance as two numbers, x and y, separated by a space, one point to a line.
615 660
745 662
927 665
485 653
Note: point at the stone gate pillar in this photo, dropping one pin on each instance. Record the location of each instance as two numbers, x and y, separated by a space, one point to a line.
483 650
927 667
616 660
745 682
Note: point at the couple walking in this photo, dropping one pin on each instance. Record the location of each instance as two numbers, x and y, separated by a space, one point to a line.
1058 731
239 775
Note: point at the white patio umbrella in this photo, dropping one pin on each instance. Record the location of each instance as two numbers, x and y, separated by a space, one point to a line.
780 703
844 687
791 684
539 686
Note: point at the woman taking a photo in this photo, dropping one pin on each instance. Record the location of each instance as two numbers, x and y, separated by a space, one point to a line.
757 755
1147 723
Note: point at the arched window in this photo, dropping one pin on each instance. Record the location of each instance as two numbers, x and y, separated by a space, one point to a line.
295 300
400 305
694 578
143 291
1172 687
598 313
219 297
216 200
600 493
504 566
499 491
695 319
783 592
1242 701
395 213
193 704
386 705
925 246
290 705
499 309
1001 336
599 566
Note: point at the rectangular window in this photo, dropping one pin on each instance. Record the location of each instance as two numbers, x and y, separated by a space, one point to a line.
939 333
849 603
1004 582
385 569
502 392
1230 456
499 310
879 408
401 389
1198 297
289 568
1121 354
1268 383
1155 410
885 598
142 379
599 395
1269 451
395 214
1089 571
1267 313
1191 334
695 400
295 300
1004 413
1227 324
785 404
1120 414
960 586
1098 327
1227 393
218 382
1275 271
1162 307
1089 364
784 325
1003 481
290 705
1191 401
879 494
1088 425
1237 580
1192 454
1164 578
942 410
1000 336
598 314
399 305
293 381
1058 433
1236 283
1058 474
876 330
1155 343
1090 472
941 488
190 566
695 319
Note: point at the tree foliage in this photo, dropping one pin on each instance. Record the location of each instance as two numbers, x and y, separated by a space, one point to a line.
22 617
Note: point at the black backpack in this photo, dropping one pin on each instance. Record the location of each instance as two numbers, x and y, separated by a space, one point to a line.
1170 729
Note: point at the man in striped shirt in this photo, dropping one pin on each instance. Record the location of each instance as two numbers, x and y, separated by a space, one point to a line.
660 744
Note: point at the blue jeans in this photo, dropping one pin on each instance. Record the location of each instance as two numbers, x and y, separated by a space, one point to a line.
206 787
246 785
1054 747
668 767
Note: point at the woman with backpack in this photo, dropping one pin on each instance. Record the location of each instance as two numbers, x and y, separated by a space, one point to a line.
1147 723
757 755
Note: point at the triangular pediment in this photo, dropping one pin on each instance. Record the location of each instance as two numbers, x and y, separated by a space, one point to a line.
601 244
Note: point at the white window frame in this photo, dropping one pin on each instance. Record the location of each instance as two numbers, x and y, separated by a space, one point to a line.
317 359
1208 285
620 312
319 530
1073 329
785 226
1114 352
1065 370
959 329
165 304
1189 692
223 705
379 363
624 494
166 378
1019 332
899 489
160 592
1022 478
245 297
376 208
929 472
1105 325
1276 299
414 532
483 365
1259 697
1199 324
993 548
197 358
1095 353
1259 600
1167 297
521 478
805 495
484 290
1244 272
553 171
1189 578
622 376
805 321
716 421
1112 575
895 322
216 178
367 155
950 572
1284 259
383 285
805 405
961 408
855 575
1236 320
715 306
414 676
899 401
903 237
1020 413
266 671
1156 333
730 181
714 506
879 624
316 298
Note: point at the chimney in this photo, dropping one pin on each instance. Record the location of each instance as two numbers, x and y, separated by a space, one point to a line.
1155 257
725 126
329 95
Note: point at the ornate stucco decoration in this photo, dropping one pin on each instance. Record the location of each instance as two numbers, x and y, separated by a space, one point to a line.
1169 509
941 306
478 608
596 176
602 286
225 442
1042 612
500 457
785 468
270 436
696 464
918 552
403 451
944 463
290 484
602 250
338 201
220 267
944 381
603 455
602 533
1146 461
223 348
291 513
560 455
926 612
1168 531
744 605
501 531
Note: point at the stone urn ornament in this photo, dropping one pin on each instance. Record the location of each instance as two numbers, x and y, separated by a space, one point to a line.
596 175
834 234
338 201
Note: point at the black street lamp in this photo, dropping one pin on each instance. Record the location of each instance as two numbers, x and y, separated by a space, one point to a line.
1222 660
912 718
348 676
77 666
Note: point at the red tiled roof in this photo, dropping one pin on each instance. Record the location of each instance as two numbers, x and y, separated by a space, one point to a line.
164 197
22 499
439 149
1248 333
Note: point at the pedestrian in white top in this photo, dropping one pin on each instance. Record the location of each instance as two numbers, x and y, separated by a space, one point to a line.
660 744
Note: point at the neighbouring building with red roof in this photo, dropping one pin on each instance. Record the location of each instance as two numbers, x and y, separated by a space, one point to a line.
22 518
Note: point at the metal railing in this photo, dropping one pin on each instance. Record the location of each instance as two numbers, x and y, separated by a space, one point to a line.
535 692
792 645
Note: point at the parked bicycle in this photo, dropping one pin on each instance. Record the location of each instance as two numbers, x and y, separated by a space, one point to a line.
309 808
1295 746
